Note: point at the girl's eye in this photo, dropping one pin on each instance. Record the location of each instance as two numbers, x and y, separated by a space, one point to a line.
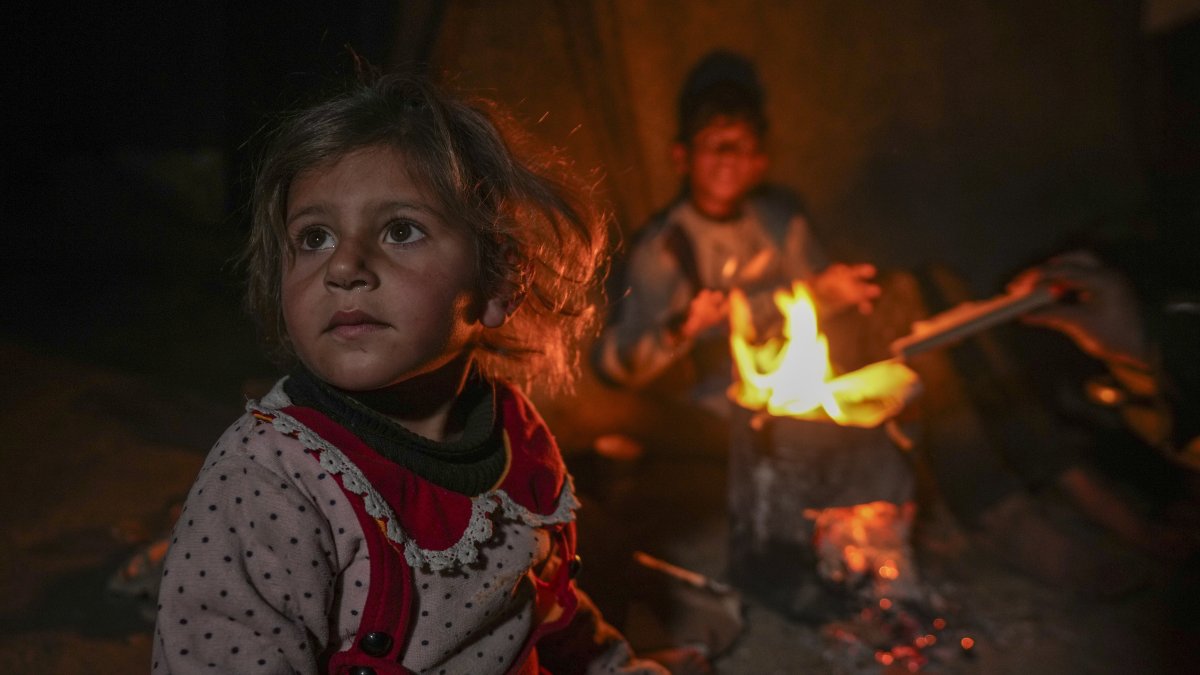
314 239
403 232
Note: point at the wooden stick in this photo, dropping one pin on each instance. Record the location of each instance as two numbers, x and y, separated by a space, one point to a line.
970 318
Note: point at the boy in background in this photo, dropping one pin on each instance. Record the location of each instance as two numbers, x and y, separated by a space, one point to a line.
726 229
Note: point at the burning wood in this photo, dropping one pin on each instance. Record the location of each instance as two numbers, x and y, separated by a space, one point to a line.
866 547
791 376
809 443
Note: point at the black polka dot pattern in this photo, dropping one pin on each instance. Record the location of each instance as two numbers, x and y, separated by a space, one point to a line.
229 605
272 598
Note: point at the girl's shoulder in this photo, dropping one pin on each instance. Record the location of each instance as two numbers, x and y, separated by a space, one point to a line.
262 436
262 467
536 478
526 431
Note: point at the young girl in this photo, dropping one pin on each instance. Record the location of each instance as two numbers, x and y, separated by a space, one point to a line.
395 505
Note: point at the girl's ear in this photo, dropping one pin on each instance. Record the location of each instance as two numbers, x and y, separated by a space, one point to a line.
497 310
506 297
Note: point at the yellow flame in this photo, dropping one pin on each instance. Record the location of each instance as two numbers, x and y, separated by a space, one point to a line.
791 376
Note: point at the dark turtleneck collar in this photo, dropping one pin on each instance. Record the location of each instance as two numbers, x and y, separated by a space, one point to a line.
469 465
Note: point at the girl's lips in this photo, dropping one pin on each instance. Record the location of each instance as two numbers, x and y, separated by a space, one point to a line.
353 324
354 330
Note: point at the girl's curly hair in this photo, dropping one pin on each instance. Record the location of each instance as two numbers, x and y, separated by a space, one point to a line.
540 237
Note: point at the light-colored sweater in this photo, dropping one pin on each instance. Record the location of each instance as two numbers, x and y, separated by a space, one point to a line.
268 568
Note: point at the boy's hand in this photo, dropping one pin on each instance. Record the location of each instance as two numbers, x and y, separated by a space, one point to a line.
707 309
841 286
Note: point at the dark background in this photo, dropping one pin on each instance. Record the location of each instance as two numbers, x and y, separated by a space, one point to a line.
980 135
125 178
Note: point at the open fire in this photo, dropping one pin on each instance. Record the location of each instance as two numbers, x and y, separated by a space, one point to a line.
791 375
862 547
849 484
809 442
810 445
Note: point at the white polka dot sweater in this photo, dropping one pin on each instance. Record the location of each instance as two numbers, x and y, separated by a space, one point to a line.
270 564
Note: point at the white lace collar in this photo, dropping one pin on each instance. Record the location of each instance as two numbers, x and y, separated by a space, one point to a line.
478 530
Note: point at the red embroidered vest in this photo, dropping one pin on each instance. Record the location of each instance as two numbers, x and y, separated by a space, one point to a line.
434 519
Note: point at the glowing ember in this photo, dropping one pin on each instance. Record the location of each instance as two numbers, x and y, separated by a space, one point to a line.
790 376
865 547
897 639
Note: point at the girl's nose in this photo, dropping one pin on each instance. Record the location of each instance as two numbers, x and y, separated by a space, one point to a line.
350 267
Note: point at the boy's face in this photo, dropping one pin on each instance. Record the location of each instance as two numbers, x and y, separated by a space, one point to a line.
722 164
381 289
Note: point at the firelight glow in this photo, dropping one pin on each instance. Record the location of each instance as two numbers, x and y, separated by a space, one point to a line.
791 376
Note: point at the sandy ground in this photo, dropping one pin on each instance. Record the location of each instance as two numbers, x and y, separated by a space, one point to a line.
95 457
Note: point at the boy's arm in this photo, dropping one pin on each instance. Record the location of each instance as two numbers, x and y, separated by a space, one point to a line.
644 334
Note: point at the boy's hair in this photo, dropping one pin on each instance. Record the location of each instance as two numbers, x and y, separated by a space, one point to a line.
540 239
722 84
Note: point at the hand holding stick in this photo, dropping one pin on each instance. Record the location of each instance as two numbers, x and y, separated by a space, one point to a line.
1105 322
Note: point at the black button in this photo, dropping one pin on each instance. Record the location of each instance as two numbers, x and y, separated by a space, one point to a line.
376 643
362 670
575 566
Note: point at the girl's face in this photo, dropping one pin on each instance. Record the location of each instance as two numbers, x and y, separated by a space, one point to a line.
381 288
